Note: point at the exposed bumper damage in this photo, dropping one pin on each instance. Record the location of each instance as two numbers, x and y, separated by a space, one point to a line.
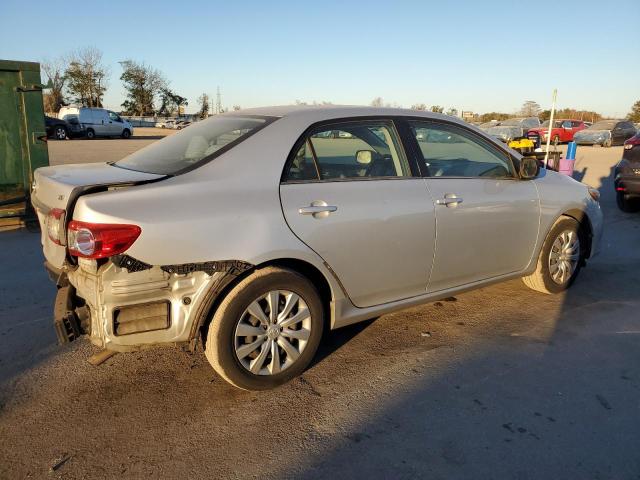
125 304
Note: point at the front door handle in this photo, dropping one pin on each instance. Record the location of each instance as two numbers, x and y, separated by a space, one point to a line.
450 200
319 209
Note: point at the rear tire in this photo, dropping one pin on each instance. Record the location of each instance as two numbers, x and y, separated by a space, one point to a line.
556 139
126 133
91 134
60 133
607 143
626 204
558 264
245 341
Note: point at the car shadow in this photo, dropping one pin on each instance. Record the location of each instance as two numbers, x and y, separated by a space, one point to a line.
333 340
554 399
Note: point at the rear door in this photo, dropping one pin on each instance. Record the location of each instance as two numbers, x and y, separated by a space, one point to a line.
349 193
487 218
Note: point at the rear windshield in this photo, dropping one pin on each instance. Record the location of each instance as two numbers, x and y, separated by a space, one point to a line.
194 145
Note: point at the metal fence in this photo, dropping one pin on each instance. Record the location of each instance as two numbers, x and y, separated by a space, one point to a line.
137 121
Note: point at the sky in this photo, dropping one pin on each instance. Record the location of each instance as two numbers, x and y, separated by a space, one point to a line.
480 56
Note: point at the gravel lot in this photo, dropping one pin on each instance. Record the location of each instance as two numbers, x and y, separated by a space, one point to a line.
502 382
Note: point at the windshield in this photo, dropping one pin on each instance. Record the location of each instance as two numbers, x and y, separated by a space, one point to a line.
194 145
606 125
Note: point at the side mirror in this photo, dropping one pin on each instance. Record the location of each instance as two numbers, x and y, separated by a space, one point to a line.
529 168
364 157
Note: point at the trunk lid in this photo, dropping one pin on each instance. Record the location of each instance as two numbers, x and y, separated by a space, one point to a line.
60 186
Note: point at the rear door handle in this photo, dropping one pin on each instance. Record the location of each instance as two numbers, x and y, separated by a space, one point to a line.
319 209
450 200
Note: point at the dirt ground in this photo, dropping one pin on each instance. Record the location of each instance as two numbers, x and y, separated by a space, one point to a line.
502 382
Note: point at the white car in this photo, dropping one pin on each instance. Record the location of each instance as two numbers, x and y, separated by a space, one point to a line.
252 232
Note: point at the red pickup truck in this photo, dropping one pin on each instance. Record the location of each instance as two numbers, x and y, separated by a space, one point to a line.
562 131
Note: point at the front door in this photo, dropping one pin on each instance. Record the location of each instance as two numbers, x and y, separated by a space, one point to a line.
348 193
487 218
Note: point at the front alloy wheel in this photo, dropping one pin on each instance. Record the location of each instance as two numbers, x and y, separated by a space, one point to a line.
564 256
266 330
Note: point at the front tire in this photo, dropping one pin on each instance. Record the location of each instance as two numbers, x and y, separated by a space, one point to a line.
560 259
267 329
607 143
126 133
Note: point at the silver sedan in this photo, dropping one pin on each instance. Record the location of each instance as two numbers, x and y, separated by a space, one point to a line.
251 233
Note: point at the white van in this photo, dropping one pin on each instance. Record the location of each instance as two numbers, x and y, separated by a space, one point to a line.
97 122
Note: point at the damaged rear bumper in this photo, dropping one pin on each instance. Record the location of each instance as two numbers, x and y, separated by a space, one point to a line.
126 304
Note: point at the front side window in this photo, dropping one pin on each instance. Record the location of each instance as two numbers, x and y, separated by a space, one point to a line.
194 145
114 117
450 151
350 151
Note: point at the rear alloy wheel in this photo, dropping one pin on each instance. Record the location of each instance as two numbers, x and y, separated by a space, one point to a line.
626 204
560 259
556 139
266 330
607 143
60 133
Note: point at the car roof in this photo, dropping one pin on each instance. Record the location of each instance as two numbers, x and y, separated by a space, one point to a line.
317 113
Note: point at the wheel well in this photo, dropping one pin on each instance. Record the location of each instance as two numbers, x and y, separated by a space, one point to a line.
304 268
585 228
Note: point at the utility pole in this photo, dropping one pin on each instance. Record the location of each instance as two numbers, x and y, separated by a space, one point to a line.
218 102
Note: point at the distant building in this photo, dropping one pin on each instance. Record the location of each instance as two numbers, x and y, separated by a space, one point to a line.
468 116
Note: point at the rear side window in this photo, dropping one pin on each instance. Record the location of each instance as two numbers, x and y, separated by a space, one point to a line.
349 151
450 151
195 145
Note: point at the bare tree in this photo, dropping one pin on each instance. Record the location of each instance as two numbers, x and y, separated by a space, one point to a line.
452 112
203 101
437 108
54 71
236 108
419 106
377 102
634 115
530 109
87 76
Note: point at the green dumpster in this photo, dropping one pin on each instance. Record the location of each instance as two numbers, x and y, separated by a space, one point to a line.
23 140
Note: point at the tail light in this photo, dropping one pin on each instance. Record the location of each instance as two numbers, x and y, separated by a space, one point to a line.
55 225
100 240
632 142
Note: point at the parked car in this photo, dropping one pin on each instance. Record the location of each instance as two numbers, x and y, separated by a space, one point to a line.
606 133
563 130
97 122
164 124
181 124
513 128
627 176
57 128
487 125
254 232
